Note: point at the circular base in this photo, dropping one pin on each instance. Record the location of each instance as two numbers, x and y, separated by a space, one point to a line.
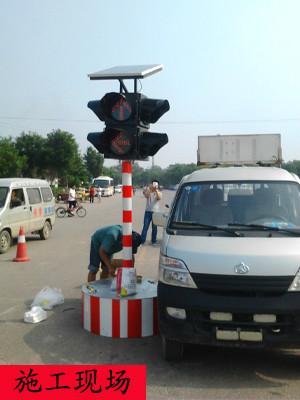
104 313
21 259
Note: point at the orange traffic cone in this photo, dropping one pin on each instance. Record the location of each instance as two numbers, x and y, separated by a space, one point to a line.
21 249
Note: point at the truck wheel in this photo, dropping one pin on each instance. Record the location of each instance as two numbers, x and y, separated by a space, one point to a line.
5 241
45 231
172 350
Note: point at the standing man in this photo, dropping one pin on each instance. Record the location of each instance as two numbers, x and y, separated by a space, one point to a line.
153 196
92 193
104 243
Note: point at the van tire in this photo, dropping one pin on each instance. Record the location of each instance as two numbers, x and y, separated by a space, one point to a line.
5 241
45 231
172 350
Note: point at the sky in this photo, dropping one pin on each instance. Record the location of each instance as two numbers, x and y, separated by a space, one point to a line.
229 67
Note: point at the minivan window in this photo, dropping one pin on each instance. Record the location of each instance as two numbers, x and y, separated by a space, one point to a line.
16 198
34 195
3 195
46 194
239 202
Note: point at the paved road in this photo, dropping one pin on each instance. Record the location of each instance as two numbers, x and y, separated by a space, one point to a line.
205 373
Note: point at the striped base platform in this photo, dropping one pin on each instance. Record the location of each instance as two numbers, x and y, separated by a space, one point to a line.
104 313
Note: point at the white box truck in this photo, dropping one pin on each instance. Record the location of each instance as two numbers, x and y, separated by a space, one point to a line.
239 149
229 268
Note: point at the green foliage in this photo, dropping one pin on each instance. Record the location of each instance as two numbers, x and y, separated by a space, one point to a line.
93 162
176 172
33 146
292 166
11 162
63 158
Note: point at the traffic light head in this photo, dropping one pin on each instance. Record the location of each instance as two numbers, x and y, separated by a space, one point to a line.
127 117
115 143
115 108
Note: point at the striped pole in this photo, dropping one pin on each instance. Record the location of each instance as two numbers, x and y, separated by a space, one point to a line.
127 214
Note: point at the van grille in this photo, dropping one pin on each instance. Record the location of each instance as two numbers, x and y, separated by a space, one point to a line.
250 286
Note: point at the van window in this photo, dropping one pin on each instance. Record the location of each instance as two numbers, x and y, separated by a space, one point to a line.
34 195
16 198
3 194
239 202
46 194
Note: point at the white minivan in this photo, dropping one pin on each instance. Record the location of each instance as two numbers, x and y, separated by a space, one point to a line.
27 203
229 269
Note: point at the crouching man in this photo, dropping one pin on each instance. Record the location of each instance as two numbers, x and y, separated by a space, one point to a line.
104 243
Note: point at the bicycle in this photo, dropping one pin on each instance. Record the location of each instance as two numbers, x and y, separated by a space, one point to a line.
61 211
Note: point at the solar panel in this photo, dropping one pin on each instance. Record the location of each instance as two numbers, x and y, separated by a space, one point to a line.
127 72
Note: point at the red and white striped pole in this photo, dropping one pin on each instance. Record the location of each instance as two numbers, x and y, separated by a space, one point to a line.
127 214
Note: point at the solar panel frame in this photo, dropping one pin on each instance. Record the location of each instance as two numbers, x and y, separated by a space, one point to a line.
127 72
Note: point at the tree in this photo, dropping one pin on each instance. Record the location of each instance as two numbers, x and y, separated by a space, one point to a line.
63 157
292 166
33 146
93 162
11 162
175 172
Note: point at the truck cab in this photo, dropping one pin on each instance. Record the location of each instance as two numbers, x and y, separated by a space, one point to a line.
229 268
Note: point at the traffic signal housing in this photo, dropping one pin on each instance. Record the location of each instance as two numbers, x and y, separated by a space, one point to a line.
127 117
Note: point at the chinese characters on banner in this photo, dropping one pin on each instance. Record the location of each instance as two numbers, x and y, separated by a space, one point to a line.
86 382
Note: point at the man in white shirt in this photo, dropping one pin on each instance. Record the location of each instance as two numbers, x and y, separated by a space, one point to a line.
153 196
72 199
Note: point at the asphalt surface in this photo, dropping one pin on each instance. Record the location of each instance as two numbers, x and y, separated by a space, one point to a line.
61 261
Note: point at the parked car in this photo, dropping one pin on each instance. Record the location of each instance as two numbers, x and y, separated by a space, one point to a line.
118 189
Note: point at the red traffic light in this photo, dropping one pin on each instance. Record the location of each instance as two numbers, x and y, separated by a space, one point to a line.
114 107
121 142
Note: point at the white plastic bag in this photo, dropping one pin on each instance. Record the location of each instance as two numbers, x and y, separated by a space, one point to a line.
36 314
126 281
48 297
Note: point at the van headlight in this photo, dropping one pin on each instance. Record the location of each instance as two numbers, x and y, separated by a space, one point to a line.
295 285
174 272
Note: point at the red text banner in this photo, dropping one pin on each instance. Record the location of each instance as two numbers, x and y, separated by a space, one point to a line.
72 382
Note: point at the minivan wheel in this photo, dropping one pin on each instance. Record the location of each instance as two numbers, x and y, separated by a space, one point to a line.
45 231
5 241
172 350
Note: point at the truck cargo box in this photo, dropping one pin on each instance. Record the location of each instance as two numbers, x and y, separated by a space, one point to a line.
240 149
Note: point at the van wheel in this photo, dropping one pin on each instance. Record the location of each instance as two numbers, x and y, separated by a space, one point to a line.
5 241
45 231
172 350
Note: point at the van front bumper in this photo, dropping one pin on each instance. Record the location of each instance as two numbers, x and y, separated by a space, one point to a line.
200 328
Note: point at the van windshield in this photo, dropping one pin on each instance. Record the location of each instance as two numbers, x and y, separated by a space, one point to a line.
3 195
247 203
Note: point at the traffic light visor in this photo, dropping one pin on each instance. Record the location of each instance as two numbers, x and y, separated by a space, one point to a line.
151 109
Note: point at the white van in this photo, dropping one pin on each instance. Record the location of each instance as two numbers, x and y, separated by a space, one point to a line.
28 203
229 269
